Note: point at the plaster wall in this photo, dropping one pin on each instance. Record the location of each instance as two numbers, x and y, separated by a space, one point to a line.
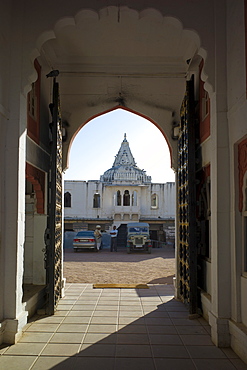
78 191
170 199
237 117
13 110
220 190
206 152
82 200
13 202
5 32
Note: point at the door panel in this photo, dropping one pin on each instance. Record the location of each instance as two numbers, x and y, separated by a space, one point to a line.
54 229
186 249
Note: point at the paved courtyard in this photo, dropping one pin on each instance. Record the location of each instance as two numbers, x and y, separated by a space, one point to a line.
118 329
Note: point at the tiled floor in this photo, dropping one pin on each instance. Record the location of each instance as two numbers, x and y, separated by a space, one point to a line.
145 329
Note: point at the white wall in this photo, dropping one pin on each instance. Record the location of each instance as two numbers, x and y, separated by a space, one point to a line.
237 118
82 200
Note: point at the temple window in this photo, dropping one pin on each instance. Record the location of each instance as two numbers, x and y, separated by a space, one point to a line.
96 201
67 199
126 198
134 198
118 198
154 201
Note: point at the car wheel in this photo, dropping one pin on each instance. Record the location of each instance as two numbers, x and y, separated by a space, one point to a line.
128 250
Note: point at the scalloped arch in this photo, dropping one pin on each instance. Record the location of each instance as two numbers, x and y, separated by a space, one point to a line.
174 22
207 86
64 22
85 15
151 13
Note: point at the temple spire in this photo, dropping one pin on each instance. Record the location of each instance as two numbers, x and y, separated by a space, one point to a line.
124 156
124 168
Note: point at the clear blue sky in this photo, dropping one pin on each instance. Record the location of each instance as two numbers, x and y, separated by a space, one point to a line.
94 148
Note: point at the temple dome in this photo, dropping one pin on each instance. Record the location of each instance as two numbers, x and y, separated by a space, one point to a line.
124 169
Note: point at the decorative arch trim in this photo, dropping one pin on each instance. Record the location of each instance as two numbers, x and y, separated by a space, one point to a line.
37 178
150 14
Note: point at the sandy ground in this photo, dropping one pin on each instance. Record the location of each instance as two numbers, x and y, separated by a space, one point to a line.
119 267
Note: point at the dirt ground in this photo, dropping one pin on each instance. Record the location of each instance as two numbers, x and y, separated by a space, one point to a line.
119 267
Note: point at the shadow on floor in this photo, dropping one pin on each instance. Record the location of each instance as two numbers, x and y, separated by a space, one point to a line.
117 329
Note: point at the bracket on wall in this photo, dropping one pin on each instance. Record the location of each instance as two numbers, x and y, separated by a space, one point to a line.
175 130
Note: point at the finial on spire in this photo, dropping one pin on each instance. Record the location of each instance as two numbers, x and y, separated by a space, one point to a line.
125 137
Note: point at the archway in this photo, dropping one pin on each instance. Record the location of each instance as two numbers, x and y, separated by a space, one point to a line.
98 140
92 153
147 75
122 61
140 62
138 76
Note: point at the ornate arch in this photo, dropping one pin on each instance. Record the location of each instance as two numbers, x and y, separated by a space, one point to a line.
186 41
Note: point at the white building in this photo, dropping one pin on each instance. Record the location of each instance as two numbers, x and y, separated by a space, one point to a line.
123 194
181 64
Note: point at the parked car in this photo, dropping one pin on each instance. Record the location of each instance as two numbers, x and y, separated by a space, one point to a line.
138 237
84 240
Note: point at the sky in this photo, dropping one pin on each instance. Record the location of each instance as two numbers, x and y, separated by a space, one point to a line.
95 146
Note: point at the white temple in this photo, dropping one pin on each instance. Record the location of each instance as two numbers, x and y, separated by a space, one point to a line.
124 193
124 168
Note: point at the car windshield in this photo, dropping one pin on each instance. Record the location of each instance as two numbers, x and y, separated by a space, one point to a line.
85 233
138 229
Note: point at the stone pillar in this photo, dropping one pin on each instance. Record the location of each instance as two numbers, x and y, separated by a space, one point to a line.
13 232
220 190
4 116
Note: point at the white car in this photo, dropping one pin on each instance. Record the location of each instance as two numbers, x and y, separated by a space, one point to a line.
84 240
